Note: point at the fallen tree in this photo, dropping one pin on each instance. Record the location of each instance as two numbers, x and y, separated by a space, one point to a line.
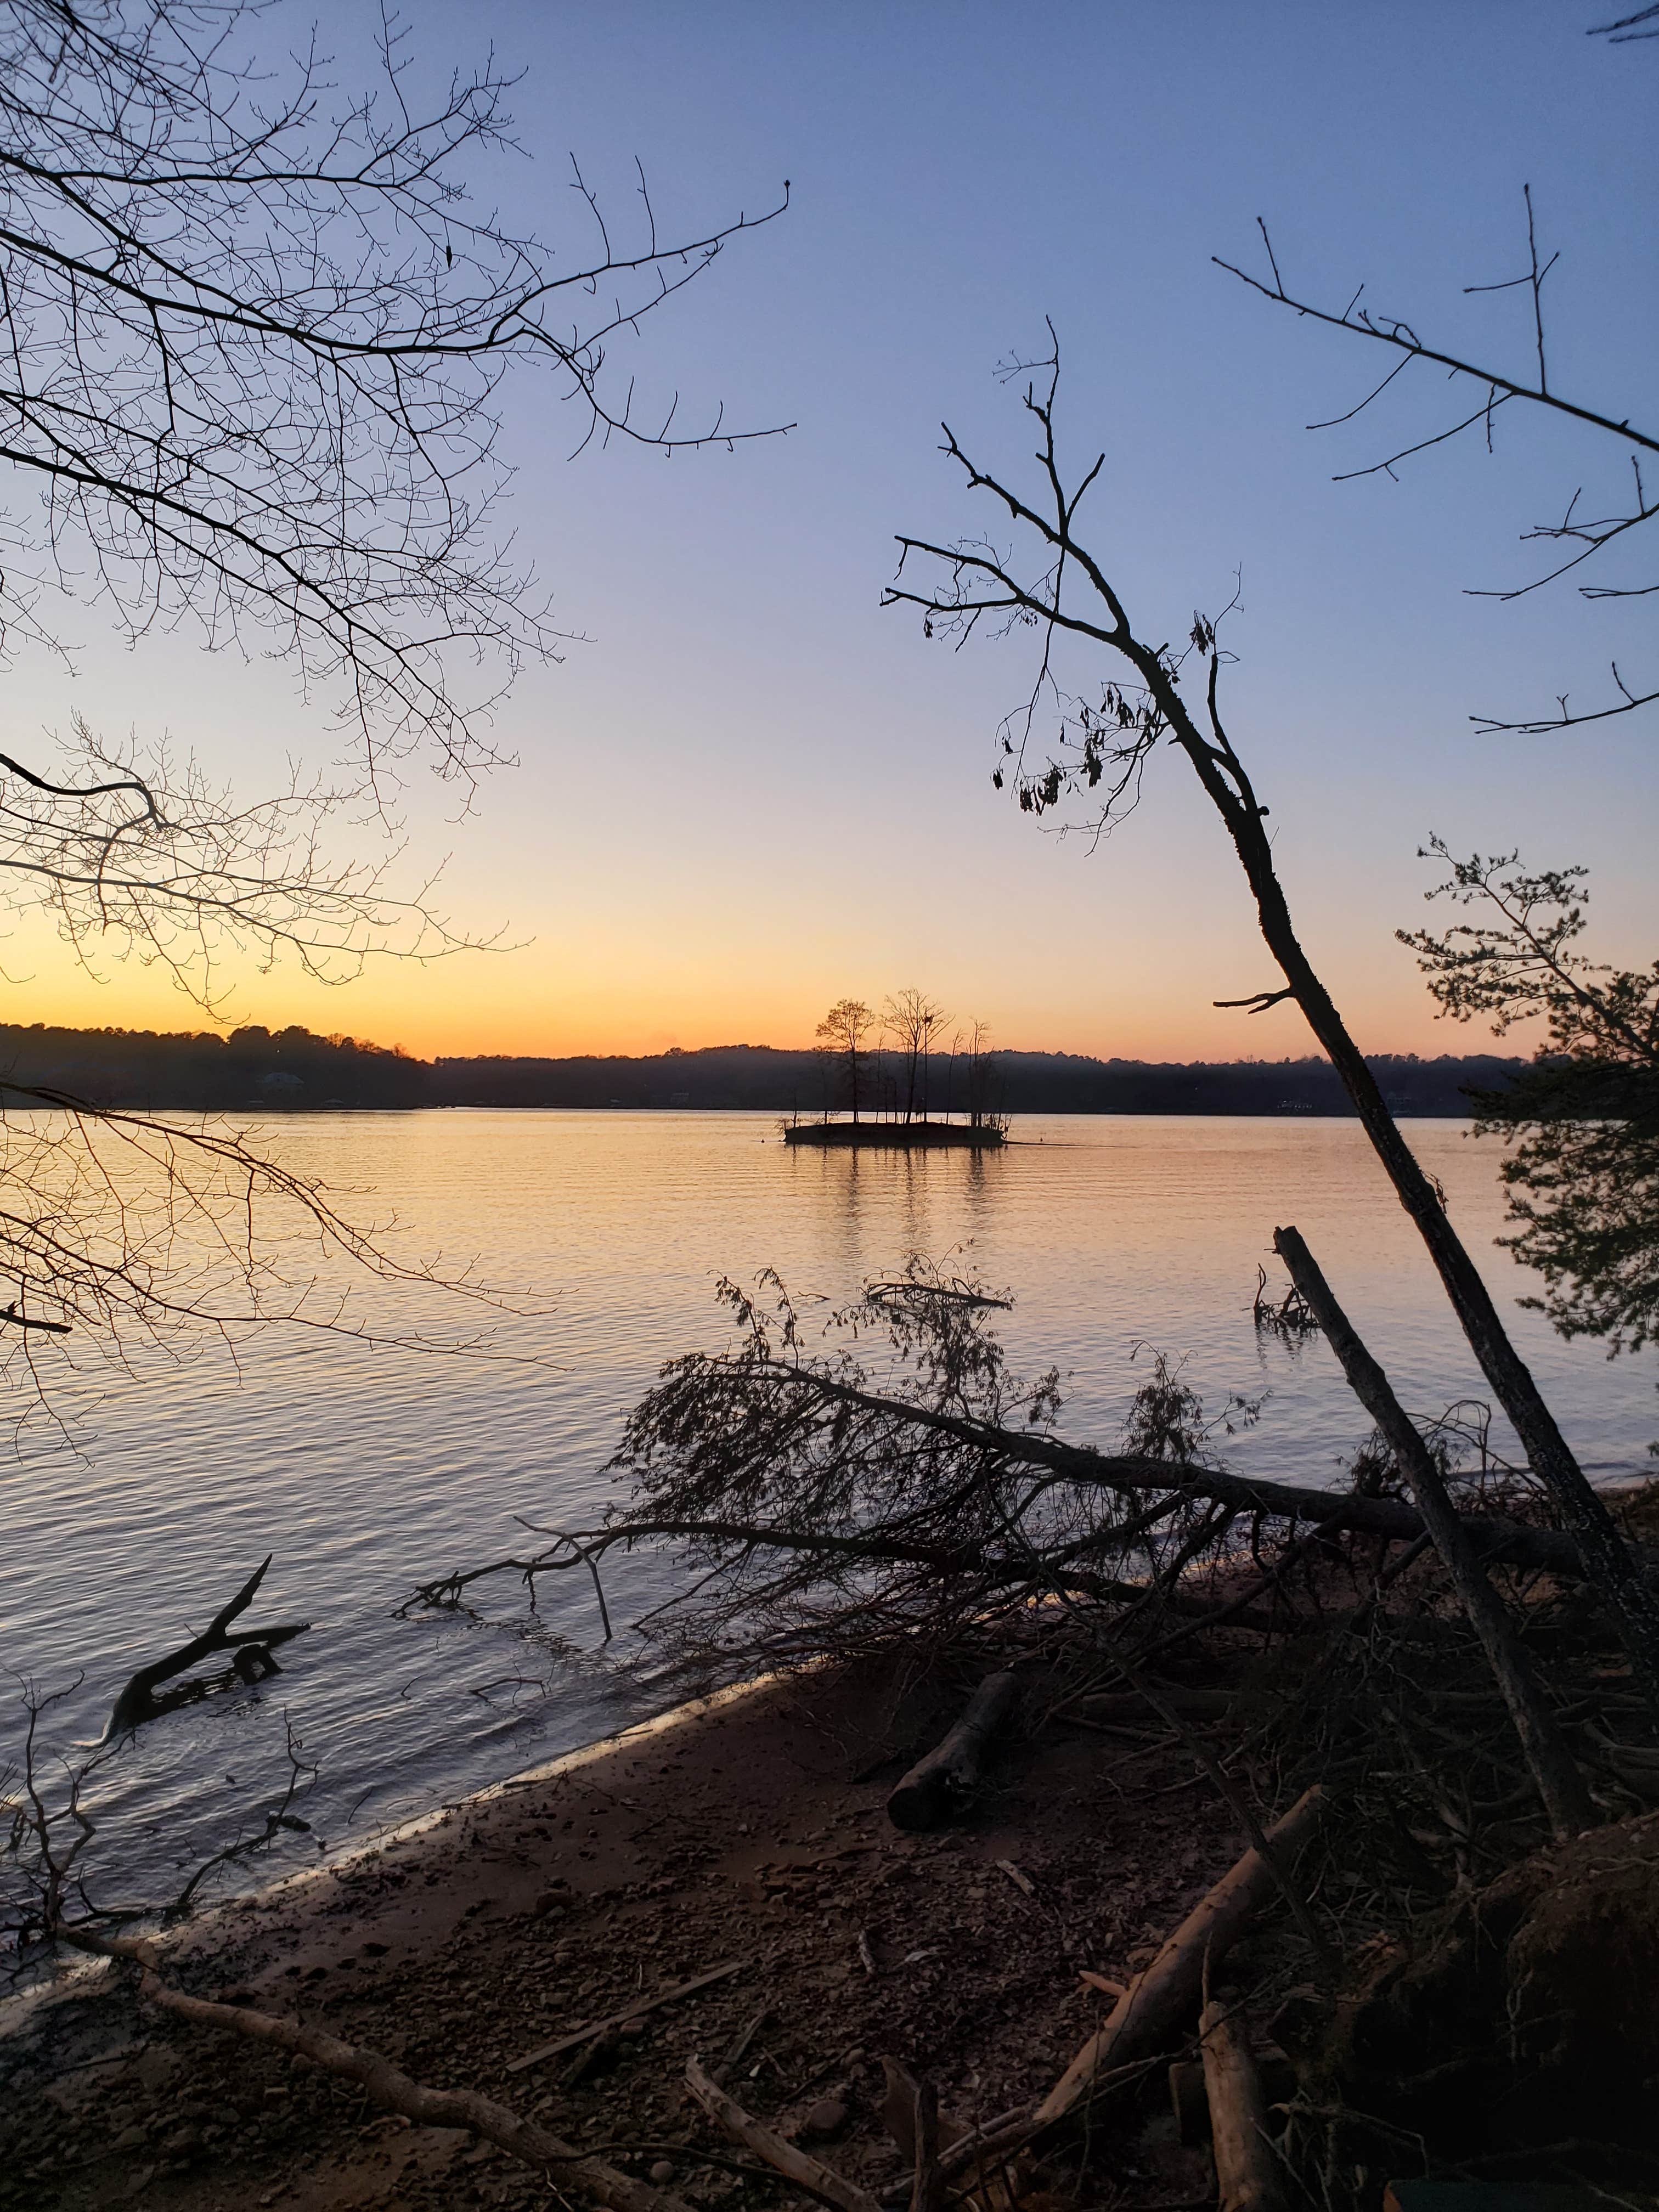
249 1649
826 1508
387 2085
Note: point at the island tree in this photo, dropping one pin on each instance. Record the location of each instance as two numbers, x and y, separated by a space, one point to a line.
844 1036
914 1020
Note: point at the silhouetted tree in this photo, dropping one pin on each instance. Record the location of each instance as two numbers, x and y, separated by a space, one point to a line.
1627 29
914 1020
254 334
844 1035
1583 1179
1578 537
1064 593
983 1103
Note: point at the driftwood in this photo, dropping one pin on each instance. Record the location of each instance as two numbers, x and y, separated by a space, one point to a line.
739 2051
1246 2171
927 2190
1562 1787
1189 2100
250 1650
1150 2015
785 2158
941 1783
388 2086
900 2116
592 2029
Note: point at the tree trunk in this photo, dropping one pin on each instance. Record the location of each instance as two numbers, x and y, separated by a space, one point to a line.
1246 2171
1561 1784
1607 1560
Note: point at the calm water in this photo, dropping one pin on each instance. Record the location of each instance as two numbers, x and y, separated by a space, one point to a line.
364 1469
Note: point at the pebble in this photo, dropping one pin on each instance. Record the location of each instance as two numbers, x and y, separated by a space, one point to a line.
827 2117
551 1900
662 2173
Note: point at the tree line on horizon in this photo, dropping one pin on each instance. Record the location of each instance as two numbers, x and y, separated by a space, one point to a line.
258 1070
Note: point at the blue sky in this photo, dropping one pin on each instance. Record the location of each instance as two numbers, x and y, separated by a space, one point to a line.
750 790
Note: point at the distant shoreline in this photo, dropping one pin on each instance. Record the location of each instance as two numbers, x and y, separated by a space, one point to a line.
260 1071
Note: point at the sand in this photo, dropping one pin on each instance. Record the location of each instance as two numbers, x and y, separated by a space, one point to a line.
750 1832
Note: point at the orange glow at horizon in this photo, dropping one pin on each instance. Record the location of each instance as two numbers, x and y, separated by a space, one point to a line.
521 1004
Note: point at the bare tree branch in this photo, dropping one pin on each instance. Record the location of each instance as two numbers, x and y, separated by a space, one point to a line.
250 340
1498 389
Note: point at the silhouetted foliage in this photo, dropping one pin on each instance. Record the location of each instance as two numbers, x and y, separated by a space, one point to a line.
1583 1178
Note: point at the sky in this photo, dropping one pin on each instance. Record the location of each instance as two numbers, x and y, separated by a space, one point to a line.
747 790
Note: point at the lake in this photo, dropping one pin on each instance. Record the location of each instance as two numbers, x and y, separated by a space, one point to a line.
365 1468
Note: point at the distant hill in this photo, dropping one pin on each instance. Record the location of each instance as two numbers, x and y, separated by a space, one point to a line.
1027 1083
208 1072
261 1070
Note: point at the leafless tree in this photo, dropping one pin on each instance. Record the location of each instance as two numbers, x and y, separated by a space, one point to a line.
1627 29
914 1020
1064 593
844 1038
252 337
982 1069
132 853
1579 537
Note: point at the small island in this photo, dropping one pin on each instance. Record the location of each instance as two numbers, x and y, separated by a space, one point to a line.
980 1136
882 1066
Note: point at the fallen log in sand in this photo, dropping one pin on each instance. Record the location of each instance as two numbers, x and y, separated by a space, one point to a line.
1246 2170
942 1783
1150 2015
785 2158
388 2086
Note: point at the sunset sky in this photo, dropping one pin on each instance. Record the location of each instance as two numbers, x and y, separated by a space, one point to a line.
749 791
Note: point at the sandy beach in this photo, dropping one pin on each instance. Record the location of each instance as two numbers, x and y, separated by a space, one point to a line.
749 1834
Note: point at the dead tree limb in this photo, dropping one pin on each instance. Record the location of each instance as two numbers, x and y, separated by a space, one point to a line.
1151 2014
1494 1536
1066 594
250 1648
389 2087
1497 1536
940 1785
1562 1787
785 2158
1246 2171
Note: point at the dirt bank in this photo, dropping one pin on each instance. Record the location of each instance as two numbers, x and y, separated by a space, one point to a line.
752 1834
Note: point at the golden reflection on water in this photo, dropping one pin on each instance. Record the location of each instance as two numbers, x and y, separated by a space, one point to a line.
364 1467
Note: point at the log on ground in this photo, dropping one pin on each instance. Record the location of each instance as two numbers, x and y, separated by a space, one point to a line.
940 1784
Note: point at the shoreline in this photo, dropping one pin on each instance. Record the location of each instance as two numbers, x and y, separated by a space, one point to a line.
724 1882
746 1828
